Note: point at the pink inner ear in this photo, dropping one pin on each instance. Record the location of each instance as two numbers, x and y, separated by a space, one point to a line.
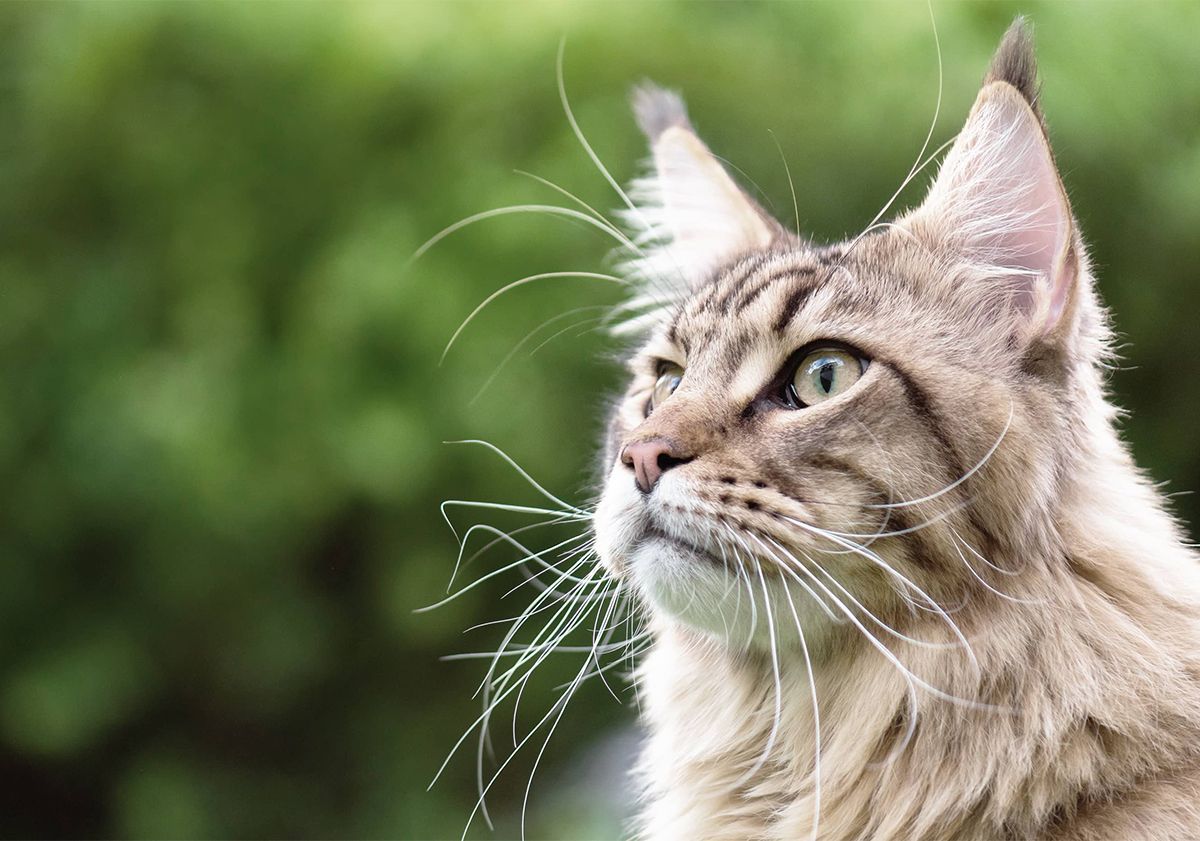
999 194
1041 223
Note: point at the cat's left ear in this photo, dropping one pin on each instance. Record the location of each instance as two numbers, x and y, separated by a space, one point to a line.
691 216
998 199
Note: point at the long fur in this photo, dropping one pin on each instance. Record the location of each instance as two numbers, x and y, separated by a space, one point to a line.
967 508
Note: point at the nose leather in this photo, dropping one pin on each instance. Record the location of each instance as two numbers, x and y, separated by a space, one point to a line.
650 459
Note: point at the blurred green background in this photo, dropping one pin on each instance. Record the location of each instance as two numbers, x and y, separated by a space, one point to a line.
221 439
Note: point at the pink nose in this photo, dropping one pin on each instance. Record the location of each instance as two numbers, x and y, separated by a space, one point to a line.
650 459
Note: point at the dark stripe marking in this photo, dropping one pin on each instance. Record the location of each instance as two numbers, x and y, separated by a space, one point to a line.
792 304
923 406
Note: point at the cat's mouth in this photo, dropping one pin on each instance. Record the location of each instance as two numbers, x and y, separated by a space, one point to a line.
653 532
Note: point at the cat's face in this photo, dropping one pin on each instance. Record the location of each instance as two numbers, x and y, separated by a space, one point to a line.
812 432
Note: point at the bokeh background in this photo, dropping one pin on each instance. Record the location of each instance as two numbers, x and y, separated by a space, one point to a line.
223 413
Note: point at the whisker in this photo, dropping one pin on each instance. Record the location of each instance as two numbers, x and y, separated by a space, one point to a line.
816 707
547 209
965 477
870 615
577 622
937 110
591 325
564 616
567 516
528 337
774 732
895 661
514 285
554 521
1014 599
615 229
932 521
874 641
992 566
583 141
487 576
740 568
874 558
812 594
523 474
503 537
634 210
791 184
560 705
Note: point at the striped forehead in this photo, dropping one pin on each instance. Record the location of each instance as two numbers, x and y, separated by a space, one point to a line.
736 330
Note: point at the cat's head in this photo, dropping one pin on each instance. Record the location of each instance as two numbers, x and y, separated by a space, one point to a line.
881 421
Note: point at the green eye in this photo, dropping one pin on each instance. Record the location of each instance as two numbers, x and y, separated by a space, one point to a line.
664 386
825 373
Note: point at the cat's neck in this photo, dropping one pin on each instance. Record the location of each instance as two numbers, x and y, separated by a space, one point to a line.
1087 689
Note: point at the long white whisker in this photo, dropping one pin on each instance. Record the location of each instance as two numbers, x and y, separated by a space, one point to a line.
879 646
871 537
992 566
791 184
518 283
587 147
575 622
634 210
564 616
812 682
587 515
965 477
592 324
549 209
493 573
774 732
479 720
560 705
850 596
812 594
955 539
937 110
618 234
895 661
745 574
566 516
502 537
874 558
528 337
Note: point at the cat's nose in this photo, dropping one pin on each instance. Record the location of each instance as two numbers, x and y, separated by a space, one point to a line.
650 459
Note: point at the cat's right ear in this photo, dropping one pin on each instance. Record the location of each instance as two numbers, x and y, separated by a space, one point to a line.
691 217
999 202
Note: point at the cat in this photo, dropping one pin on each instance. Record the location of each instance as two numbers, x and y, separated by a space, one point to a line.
904 580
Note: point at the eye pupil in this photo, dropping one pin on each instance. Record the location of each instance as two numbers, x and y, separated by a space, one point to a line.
826 377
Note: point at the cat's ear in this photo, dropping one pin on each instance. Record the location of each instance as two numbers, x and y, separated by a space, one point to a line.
691 216
998 198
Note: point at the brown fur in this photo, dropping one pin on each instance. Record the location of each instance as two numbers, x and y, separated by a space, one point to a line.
983 401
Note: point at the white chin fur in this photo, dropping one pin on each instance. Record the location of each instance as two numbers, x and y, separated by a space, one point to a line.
716 599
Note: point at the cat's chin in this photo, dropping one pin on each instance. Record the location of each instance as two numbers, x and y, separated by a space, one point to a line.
705 593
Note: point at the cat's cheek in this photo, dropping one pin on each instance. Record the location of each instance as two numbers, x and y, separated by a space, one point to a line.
619 522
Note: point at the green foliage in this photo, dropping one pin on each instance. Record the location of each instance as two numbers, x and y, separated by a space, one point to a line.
224 415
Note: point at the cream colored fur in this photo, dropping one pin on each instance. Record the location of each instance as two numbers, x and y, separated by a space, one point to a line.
1073 709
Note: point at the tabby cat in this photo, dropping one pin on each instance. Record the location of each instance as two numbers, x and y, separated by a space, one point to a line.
904 580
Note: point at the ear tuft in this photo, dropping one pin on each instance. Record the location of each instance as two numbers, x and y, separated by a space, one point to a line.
1015 62
687 216
658 109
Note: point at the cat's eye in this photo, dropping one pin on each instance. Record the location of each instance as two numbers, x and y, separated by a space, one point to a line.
668 380
823 374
